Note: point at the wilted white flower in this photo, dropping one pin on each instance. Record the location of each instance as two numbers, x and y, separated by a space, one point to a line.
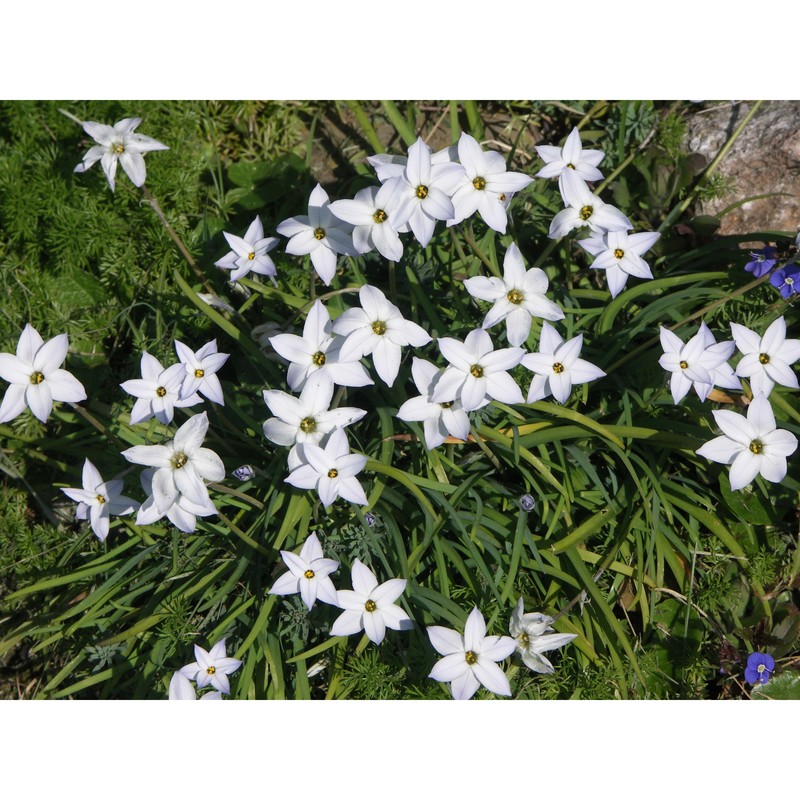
531 633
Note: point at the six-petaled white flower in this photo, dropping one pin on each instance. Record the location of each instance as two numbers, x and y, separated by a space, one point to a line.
518 297
370 607
317 350
211 667
485 185
531 633
306 418
119 144
585 209
36 376
249 254
751 445
439 420
158 391
182 513
320 234
99 499
200 370
620 255
572 156
557 366
477 371
699 363
330 470
308 574
380 330
767 359
471 660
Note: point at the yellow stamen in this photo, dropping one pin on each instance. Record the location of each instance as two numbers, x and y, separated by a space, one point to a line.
756 447
36 378
309 573
379 328
558 368
319 233
318 359
161 391
476 370
683 364
179 460
515 296
380 216
479 184
763 358
586 212
370 605
308 425
619 253
422 192
332 473
470 657
199 373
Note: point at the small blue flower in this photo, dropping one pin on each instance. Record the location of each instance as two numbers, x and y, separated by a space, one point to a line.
527 503
762 262
759 668
787 280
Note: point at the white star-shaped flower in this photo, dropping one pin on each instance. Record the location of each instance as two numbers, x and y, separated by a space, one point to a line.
181 465
388 166
518 297
158 391
180 688
182 513
439 420
620 255
250 253
477 371
557 366
330 470
471 660
767 359
36 376
485 185
318 351
530 631
699 363
380 330
200 370
750 445
119 144
98 500
211 667
572 156
585 209
370 607
321 235
308 574
377 214
306 418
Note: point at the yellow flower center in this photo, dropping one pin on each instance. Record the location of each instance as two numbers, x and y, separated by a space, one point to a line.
309 573
199 373
380 216
211 670
470 657
760 668
763 358
571 166
370 605
558 368
378 328
422 192
524 639
332 473
503 198
319 233
586 212
118 149
318 359
308 425
161 391
479 183
36 378
515 296
251 256
476 370
683 364
446 405
179 460
756 447
100 499
619 253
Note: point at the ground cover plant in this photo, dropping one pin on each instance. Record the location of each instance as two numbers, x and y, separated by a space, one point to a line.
389 400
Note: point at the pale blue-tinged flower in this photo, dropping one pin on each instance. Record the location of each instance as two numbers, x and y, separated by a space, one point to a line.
751 445
585 209
532 635
320 234
180 688
249 254
119 144
620 255
36 376
471 660
98 500
317 350
308 575
211 667
518 297
200 370
477 371
767 359
158 391
439 420
369 606
380 330
330 470
572 156
557 366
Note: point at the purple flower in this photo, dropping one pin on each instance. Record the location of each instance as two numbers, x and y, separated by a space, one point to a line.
786 280
759 668
762 261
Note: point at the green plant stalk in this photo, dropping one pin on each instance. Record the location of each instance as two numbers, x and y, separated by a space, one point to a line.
402 127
